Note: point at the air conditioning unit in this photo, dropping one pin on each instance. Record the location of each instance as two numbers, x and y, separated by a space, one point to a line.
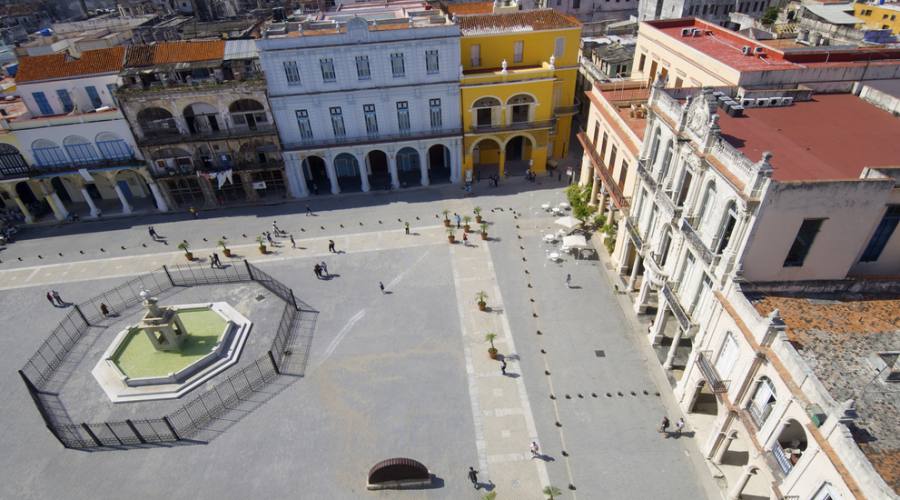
763 102
745 50
696 32
787 101
685 31
748 103
759 50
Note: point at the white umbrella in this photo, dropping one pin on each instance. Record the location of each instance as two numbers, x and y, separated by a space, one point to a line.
575 241
568 222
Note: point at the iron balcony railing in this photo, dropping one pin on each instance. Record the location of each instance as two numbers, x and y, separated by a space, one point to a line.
327 142
159 137
694 240
95 164
759 414
709 372
672 298
507 127
784 463
160 173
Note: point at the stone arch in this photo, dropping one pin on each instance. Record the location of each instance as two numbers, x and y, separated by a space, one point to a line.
346 169
247 113
12 163
377 169
703 401
439 168
257 152
48 153
80 150
156 121
409 167
173 160
132 184
791 445
485 111
113 147
201 118
521 108
316 174
518 152
486 157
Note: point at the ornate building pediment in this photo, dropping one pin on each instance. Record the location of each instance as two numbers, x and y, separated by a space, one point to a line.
700 111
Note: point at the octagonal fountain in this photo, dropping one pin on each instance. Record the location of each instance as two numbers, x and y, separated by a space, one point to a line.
171 351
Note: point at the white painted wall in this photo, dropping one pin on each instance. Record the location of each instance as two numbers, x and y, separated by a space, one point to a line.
76 88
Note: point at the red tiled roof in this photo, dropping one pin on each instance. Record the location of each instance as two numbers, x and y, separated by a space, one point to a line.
524 20
832 137
463 9
174 52
62 65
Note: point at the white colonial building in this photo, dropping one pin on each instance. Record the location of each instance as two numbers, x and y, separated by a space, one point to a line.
366 98
741 211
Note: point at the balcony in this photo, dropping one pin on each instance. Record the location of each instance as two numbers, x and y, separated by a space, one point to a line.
675 304
645 175
709 372
612 187
327 142
781 458
163 136
509 127
98 164
633 233
481 76
696 243
198 165
182 86
759 414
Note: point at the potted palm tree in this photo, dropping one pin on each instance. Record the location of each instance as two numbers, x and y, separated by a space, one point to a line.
492 351
446 218
491 495
451 235
185 247
552 492
262 244
225 250
477 212
466 221
484 230
481 299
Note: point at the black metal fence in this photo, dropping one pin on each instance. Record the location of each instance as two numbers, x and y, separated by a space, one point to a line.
207 405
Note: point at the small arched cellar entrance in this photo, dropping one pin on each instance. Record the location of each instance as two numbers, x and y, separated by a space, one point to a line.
377 167
316 175
439 164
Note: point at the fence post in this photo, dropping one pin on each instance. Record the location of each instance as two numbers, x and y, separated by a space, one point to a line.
87 429
274 364
249 270
166 270
135 431
171 427
78 310
113 433
33 392
293 299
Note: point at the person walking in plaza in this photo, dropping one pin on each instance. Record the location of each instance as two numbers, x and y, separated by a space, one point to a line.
458 219
58 299
331 246
104 310
381 287
293 243
275 229
664 426
473 476
308 211
679 426
568 281
324 267
212 261
465 239
535 450
152 233
318 270
406 227
269 239
503 366
51 299
216 261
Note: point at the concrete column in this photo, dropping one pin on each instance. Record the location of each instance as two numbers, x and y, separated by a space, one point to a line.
634 272
501 167
659 323
592 201
89 201
363 173
455 165
25 212
723 448
586 171
670 356
620 266
608 205
59 210
601 203
332 175
296 179
392 167
641 303
126 207
735 492
209 192
423 167
161 204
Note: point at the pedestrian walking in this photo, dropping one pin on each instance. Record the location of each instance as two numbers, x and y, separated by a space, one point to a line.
318 270
51 299
465 239
381 286
104 310
56 297
324 267
152 232
212 261
331 246
406 227
568 281
679 426
308 211
458 219
473 476
216 260
275 229
503 366
269 239
664 426
535 450
293 243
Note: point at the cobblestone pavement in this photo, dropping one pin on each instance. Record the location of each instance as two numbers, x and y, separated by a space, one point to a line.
404 373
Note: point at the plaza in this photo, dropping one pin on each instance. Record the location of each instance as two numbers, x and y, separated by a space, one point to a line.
398 374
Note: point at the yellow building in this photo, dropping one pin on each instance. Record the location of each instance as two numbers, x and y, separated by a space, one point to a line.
879 17
517 89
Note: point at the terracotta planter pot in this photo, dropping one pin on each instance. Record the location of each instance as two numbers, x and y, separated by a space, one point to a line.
492 353
226 252
446 222
482 306
451 239
466 227
478 219
189 256
262 249
484 236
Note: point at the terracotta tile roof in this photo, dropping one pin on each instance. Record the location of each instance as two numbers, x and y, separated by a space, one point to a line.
525 20
463 9
62 65
174 52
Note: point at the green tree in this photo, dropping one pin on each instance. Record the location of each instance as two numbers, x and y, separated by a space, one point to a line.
770 16
552 492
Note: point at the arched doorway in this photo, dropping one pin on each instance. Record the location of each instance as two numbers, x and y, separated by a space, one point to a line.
485 159
439 164
704 401
61 190
201 118
247 114
408 167
518 156
790 446
37 206
379 175
347 170
520 107
157 122
132 184
316 175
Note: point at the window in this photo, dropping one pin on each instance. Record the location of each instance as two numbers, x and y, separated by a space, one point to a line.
43 105
111 88
397 66
475 55
882 234
12 162
303 124
623 171
762 402
362 67
403 116
65 99
327 65
518 50
93 96
432 63
596 133
686 273
47 153
727 356
803 242
678 82
291 73
708 198
603 147
80 150
112 147
371 119
641 62
703 290
434 106
337 121
559 48
727 228
576 4
612 156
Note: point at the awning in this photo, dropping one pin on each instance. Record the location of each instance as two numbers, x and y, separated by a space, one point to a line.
575 241
568 222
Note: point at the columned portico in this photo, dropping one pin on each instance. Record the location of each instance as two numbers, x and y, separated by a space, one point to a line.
423 167
23 208
363 172
161 204
640 302
670 356
95 212
727 439
392 168
126 206
748 472
59 210
592 201
455 166
659 322
332 174
638 259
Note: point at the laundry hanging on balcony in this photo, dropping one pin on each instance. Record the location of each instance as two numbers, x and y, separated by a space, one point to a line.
223 176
